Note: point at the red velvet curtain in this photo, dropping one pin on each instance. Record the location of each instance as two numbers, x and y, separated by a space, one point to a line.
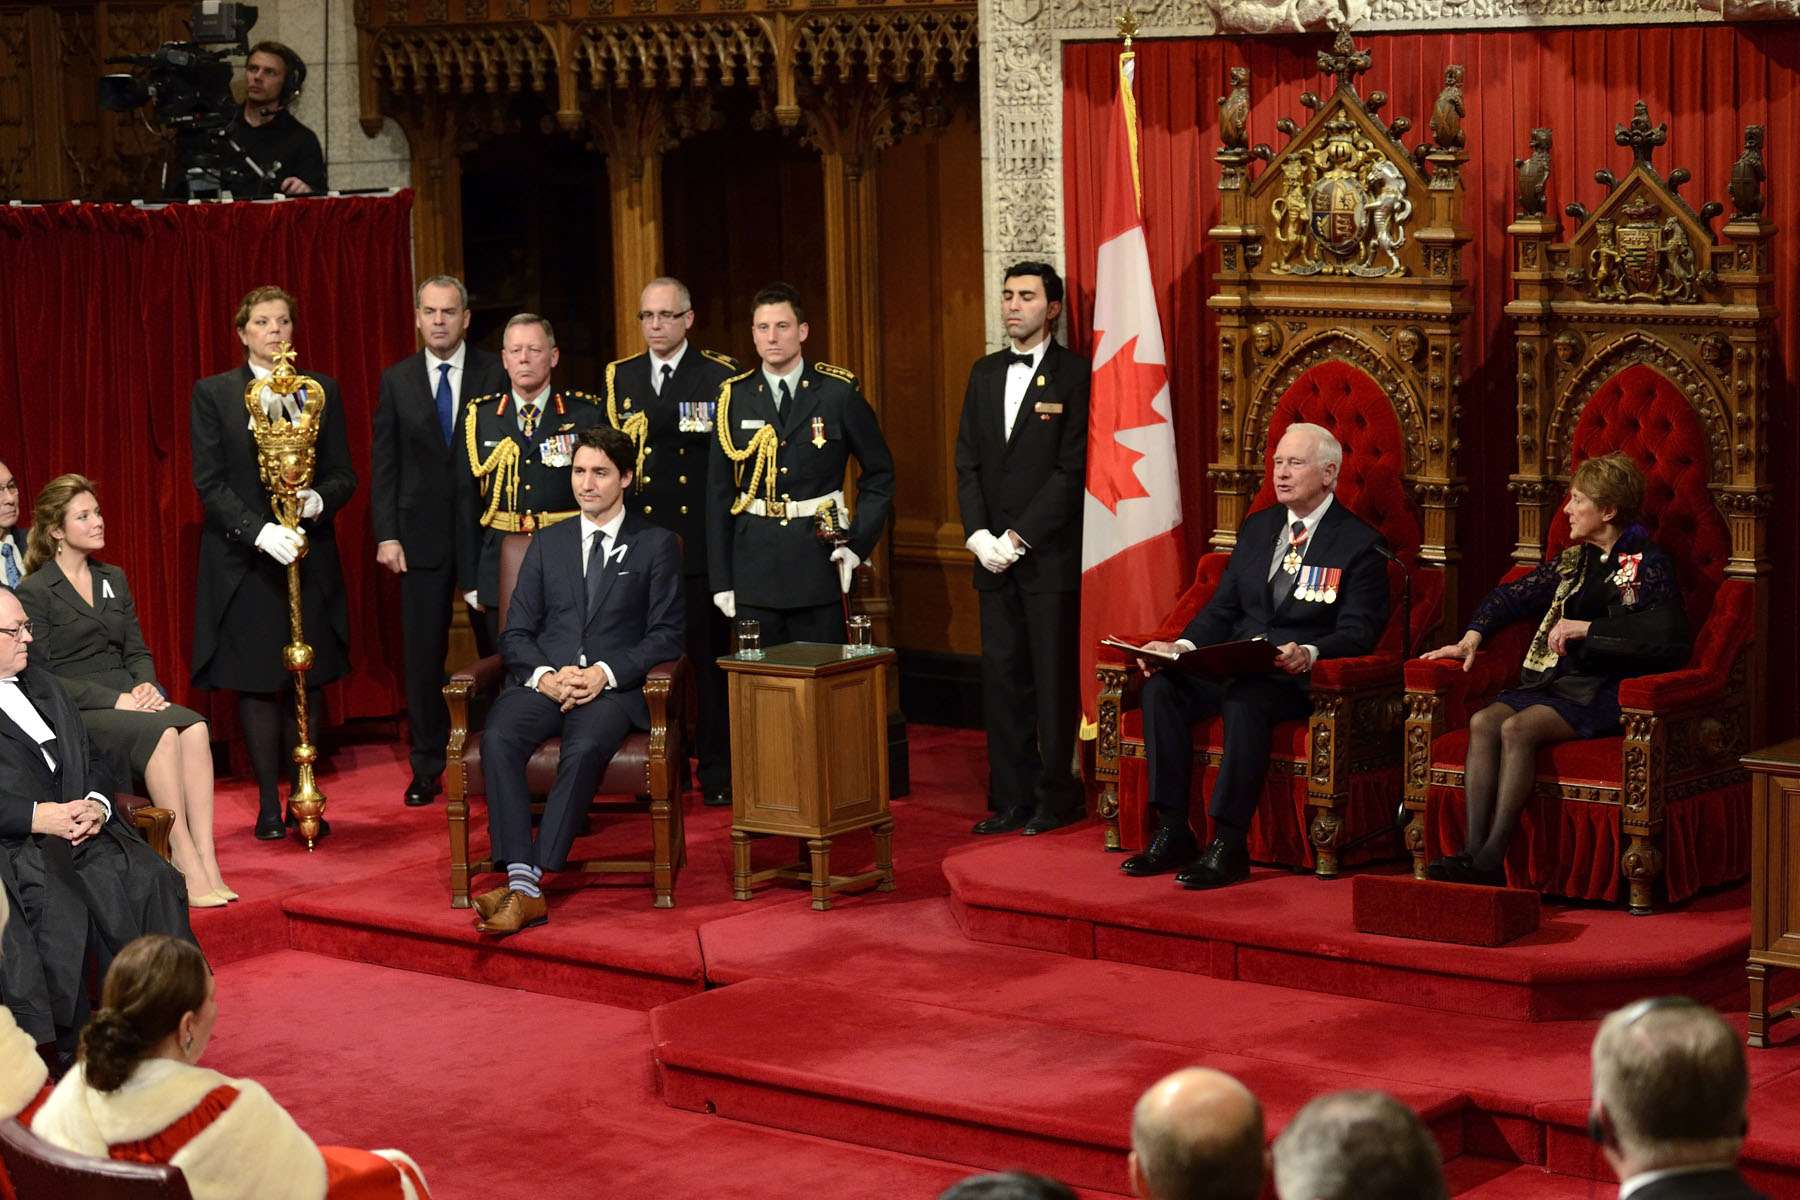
1706 81
109 313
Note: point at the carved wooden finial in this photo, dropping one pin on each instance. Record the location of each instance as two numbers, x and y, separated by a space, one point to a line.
1639 135
1344 60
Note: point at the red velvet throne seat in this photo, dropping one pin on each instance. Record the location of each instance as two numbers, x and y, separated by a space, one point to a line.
1654 366
1321 322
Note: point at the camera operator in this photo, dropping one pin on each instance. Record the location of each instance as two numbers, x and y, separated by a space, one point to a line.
267 132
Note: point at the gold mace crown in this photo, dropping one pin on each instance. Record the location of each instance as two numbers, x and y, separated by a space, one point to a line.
284 447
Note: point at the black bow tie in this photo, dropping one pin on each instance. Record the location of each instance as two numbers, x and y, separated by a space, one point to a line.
1015 359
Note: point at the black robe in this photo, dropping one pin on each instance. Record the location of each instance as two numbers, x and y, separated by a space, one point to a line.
69 901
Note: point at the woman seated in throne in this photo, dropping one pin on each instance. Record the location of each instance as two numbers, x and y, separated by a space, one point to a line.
1608 608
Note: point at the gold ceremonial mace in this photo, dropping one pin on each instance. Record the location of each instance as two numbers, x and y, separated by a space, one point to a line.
285 455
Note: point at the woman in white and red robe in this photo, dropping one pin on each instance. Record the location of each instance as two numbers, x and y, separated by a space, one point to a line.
137 1096
23 1075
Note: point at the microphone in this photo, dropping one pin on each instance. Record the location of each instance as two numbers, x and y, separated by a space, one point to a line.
1382 549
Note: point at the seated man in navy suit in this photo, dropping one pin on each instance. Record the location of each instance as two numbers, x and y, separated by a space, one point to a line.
598 602
1305 575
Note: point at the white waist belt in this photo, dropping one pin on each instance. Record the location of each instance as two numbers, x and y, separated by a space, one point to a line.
789 509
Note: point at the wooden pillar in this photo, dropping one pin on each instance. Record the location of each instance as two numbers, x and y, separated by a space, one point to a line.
434 130
633 131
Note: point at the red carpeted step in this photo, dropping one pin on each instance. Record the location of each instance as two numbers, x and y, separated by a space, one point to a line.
1473 1178
1061 892
987 1090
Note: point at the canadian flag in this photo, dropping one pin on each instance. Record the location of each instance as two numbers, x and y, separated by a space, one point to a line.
1131 557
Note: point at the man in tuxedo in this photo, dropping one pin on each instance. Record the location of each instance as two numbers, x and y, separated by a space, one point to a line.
597 604
1361 1145
1196 1132
412 468
787 433
666 398
514 455
12 538
78 874
1670 1094
1021 463
1307 576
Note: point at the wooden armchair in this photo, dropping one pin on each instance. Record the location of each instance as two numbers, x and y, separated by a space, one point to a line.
1661 352
643 777
40 1171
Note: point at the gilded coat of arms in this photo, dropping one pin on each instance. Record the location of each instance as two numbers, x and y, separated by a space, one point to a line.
1342 209
1646 256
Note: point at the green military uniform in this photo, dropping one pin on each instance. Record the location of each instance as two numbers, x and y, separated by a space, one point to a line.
515 485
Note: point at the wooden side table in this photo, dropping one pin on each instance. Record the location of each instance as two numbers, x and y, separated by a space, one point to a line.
809 759
1774 878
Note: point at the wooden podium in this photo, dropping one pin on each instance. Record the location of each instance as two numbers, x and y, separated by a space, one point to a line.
809 759
1774 878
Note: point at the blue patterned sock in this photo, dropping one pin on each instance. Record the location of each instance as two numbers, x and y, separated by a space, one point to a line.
523 878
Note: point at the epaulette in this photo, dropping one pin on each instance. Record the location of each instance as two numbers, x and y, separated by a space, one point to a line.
836 373
488 397
588 396
724 360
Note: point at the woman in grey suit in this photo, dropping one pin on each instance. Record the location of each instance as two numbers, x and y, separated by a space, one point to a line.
85 629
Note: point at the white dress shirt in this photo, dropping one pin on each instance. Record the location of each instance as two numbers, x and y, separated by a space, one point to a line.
456 360
1018 381
673 362
792 378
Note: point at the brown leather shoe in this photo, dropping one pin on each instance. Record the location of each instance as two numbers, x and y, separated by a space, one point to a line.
487 903
518 911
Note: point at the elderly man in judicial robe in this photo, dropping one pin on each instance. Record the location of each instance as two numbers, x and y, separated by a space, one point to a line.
80 878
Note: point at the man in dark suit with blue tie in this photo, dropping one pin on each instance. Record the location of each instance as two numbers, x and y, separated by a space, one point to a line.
412 496
1021 460
1306 575
598 602
12 538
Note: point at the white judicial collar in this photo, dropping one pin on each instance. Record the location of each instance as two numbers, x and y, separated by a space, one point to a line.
15 704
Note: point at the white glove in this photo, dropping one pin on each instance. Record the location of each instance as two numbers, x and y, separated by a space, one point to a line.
472 598
279 543
847 562
991 552
726 602
311 504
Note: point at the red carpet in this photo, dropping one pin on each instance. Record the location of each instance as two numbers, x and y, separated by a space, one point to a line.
899 1041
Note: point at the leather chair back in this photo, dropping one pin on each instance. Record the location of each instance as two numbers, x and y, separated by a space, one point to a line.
41 1171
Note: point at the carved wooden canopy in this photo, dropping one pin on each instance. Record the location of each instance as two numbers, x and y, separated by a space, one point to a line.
1646 279
1345 246
438 48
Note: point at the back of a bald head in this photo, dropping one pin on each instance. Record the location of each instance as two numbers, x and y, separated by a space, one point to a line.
1198 1135
1357 1146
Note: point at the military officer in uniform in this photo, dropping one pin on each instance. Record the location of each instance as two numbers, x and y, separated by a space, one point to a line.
786 431
517 448
665 399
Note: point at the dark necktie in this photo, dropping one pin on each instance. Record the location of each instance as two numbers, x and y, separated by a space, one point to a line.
1015 359
784 397
529 415
12 562
1283 583
662 381
446 403
596 563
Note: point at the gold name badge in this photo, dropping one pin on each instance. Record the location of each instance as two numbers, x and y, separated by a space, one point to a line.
1048 406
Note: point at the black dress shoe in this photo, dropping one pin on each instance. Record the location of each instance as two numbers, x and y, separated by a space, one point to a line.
1440 868
1007 820
421 792
1170 850
717 797
270 828
1218 865
1461 869
293 822
1056 818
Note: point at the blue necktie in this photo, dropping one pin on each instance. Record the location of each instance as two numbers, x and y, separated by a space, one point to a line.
446 403
596 566
12 563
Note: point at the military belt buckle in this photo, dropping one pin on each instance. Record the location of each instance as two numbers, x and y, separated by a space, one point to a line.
776 508
527 522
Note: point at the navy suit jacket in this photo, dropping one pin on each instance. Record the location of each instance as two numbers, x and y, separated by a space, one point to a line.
639 621
1348 626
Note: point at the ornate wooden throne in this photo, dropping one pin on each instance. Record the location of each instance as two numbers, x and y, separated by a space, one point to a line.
1339 302
1649 333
